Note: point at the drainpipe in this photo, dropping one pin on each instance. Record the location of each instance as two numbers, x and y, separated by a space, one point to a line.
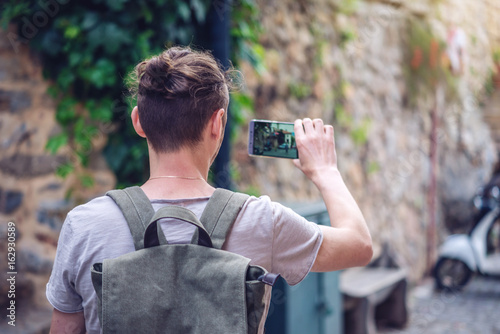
219 26
432 191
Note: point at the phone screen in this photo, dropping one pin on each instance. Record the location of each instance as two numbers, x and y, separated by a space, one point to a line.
272 139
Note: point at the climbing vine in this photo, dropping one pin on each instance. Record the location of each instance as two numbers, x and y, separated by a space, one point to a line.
427 63
88 47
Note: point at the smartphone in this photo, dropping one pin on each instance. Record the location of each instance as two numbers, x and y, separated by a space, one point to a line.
272 139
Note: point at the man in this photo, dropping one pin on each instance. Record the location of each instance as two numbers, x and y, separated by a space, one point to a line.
181 111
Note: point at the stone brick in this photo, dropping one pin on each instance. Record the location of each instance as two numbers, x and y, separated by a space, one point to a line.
22 165
52 213
51 187
10 200
19 135
30 261
14 101
11 69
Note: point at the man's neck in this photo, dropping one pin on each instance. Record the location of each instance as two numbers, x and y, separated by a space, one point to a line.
187 171
184 162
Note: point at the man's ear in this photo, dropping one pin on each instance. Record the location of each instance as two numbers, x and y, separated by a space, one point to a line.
137 123
218 123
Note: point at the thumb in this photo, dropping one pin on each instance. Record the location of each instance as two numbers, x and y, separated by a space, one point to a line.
297 164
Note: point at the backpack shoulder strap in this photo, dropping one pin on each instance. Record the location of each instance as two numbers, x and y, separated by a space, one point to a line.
220 213
136 209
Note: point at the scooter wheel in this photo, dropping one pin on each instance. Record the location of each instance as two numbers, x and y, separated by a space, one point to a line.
451 274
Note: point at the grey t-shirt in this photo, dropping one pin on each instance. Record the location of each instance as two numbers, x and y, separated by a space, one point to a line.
268 233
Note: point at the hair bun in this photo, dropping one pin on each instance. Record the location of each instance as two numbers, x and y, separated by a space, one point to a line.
158 67
179 73
156 76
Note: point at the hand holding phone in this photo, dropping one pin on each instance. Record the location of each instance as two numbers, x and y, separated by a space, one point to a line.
316 144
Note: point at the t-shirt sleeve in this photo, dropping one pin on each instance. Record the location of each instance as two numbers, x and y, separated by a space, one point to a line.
296 243
60 290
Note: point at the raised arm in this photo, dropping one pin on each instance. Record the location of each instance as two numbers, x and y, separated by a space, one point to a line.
347 242
63 323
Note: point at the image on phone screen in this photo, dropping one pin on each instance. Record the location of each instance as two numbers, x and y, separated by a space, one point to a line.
272 139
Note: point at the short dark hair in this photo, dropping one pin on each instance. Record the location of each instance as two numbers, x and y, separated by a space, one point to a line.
177 93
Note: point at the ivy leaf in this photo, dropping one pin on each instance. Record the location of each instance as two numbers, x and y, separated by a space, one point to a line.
184 11
243 100
75 58
360 133
56 142
87 181
199 10
147 14
13 9
114 38
143 45
50 42
109 36
71 32
116 155
373 167
90 19
100 112
116 5
65 112
65 169
53 91
84 133
102 74
83 158
66 78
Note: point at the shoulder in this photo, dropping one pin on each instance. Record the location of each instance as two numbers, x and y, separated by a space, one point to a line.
262 203
264 208
272 210
265 214
99 206
257 212
99 209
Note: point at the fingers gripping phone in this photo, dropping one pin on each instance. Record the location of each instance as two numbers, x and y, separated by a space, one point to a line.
272 139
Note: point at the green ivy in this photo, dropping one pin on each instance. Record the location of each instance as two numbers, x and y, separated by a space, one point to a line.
424 63
88 48
245 32
347 7
496 56
299 89
357 130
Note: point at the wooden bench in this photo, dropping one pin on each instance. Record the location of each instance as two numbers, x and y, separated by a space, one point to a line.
371 296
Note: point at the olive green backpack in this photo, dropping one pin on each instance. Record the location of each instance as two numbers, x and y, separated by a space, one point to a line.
180 288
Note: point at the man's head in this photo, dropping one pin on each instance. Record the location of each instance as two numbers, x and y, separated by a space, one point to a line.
177 93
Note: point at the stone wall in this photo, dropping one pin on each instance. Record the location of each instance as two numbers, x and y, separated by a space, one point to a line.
31 195
321 55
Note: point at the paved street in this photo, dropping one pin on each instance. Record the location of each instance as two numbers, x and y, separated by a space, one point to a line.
476 310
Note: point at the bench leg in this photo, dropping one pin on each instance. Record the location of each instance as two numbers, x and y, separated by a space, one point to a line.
360 318
371 328
393 311
355 319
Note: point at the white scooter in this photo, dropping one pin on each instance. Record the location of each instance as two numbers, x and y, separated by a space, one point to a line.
461 255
